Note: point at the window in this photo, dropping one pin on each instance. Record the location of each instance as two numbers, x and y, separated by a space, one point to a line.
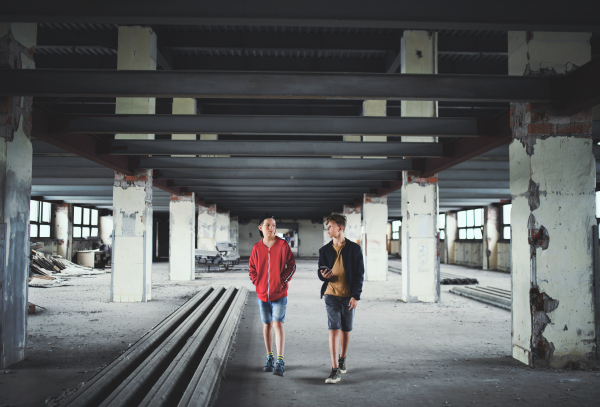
85 222
40 215
442 225
470 224
396 229
506 221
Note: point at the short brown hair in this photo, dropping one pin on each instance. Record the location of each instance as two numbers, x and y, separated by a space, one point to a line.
340 220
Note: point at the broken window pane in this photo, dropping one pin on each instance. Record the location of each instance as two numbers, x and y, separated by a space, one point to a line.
44 230
94 217
46 212
86 216
462 233
77 216
33 230
34 211
77 231
461 219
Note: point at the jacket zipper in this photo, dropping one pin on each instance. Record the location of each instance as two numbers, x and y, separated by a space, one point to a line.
269 276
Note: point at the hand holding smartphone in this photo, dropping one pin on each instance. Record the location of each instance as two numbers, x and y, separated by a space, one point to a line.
326 272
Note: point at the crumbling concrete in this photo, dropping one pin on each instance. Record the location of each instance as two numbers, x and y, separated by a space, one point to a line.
207 225
353 223
222 227
374 241
182 235
17 42
132 237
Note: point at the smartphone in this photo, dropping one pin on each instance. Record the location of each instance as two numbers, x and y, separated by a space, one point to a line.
323 268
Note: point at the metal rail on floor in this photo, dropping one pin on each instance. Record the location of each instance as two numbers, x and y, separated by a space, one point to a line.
185 352
489 295
445 278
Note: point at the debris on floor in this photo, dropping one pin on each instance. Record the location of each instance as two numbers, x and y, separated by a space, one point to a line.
46 270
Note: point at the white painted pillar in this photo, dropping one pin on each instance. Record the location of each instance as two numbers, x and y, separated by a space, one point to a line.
63 229
136 51
234 230
132 237
222 227
420 244
353 223
106 229
207 226
552 182
451 236
374 247
182 235
492 233
17 42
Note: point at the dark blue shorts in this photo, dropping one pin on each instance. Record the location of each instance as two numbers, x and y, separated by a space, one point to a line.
338 314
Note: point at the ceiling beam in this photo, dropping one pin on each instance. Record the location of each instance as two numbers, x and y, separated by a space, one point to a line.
274 148
279 125
534 15
579 90
94 83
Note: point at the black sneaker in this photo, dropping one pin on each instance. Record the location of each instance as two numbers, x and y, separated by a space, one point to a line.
335 376
342 364
269 365
279 368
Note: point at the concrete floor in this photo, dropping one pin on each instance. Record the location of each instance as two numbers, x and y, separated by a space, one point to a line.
455 352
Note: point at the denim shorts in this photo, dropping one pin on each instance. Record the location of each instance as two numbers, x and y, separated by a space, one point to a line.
273 310
338 314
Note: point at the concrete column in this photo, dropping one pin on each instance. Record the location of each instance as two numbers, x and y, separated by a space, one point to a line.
207 225
106 228
353 223
136 51
132 237
420 250
17 42
375 216
234 230
492 233
222 227
552 182
63 229
182 233
451 236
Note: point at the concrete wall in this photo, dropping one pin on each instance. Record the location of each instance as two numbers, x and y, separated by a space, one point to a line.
469 253
310 235
248 235
504 257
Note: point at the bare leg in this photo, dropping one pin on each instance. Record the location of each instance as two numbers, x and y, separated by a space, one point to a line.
268 334
334 346
345 340
279 336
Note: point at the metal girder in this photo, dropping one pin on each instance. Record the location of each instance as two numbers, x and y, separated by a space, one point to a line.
535 15
275 148
69 173
278 183
579 90
451 175
473 165
279 125
285 190
462 150
292 175
450 184
93 83
72 181
253 163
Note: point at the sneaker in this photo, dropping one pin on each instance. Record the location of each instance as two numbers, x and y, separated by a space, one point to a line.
279 368
335 376
342 364
270 363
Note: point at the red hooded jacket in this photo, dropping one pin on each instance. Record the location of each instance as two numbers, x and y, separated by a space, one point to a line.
271 269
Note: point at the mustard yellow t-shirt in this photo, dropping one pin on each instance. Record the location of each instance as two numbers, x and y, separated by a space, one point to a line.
338 285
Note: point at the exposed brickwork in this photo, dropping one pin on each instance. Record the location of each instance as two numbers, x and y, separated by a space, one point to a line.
13 108
532 121
413 177
186 197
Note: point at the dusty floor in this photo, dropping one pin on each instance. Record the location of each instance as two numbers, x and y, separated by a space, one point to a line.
452 353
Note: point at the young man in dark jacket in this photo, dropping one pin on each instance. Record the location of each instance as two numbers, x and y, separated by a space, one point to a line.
271 267
342 270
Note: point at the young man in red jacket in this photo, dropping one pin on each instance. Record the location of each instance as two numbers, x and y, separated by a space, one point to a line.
272 266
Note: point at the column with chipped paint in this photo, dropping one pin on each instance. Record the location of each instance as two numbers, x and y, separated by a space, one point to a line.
17 42
63 229
353 223
374 245
451 236
222 227
420 243
132 237
182 233
234 229
552 182
492 232
136 51
207 226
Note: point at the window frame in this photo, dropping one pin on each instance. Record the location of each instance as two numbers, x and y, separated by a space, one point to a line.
40 216
472 227
88 225
442 230
506 225
396 233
